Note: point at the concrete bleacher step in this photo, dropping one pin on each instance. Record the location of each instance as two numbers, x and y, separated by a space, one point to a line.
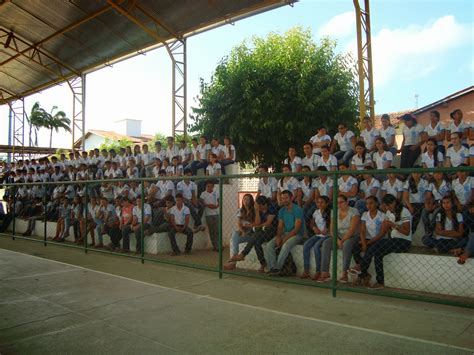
439 274
157 243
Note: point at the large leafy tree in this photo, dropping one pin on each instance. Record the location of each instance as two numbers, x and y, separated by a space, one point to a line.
273 92
53 120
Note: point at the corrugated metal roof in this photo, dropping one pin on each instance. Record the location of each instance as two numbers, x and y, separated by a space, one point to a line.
45 42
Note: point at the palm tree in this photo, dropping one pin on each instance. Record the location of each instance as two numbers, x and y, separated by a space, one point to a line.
40 118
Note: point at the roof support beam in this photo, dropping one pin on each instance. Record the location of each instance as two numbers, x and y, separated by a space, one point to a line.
78 88
61 31
364 61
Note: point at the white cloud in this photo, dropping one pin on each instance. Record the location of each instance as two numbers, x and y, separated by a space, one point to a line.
415 51
340 26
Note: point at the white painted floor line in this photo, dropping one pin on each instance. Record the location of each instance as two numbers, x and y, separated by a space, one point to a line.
322 321
41 274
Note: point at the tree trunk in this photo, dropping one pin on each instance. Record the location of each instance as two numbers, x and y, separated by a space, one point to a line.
51 138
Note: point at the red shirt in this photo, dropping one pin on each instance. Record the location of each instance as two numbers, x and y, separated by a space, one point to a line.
127 213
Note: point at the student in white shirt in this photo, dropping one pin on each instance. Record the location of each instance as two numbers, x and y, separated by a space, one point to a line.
397 222
323 185
457 154
346 140
327 160
439 187
194 158
137 221
348 185
310 159
463 188
184 153
293 160
267 185
172 150
459 126
414 192
388 133
179 223
370 230
432 157
449 230
319 139
361 158
410 149
229 154
188 189
202 152
369 134
370 186
287 183
210 200
435 130
382 156
305 196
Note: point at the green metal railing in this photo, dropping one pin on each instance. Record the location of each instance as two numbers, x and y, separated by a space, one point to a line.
218 266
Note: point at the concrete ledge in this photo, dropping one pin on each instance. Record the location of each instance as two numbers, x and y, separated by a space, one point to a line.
157 243
438 274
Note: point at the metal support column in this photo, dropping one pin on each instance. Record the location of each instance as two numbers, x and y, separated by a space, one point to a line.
78 88
17 124
364 60
177 52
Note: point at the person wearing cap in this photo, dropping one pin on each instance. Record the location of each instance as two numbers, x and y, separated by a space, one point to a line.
410 149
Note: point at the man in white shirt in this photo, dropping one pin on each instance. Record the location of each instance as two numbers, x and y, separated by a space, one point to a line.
320 139
136 226
188 189
172 150
346 141
179 223
184 153
369 134
310 159
210 200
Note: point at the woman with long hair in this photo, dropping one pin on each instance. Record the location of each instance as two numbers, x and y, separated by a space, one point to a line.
432 157
414 191
397 223
289 183
361 158
388 133
320 226
382 156
246 220
434 130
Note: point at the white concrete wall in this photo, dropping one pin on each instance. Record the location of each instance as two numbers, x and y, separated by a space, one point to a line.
93 141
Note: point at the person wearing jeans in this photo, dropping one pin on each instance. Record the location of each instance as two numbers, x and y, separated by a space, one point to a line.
179 223
348 221
289 233
346 141
263 231
210 200
398 224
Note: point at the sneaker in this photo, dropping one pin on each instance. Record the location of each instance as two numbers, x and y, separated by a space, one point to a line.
274 272
377 286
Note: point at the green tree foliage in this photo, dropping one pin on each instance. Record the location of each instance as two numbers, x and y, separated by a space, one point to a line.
160 137
273 92
116 145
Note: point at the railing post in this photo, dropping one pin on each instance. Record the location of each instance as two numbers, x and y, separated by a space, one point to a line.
45 221
219 239
334 234
142 217
86 210
14 212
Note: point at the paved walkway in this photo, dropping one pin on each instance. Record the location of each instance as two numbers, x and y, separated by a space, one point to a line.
53 307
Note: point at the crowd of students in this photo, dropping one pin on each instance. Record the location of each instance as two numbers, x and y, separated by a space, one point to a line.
115 208
377 214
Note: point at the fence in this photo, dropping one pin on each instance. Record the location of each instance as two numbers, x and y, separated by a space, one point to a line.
398 257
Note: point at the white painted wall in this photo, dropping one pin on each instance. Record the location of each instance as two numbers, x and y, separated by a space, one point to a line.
93 141
129 127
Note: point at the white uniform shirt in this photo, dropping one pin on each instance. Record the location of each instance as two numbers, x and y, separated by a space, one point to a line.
202 151
311 162
369 137
292 184
267 189
210 198
345 186
359 164
381 160
463 191
317 139
172 152
137 212
367 187
460 129
448 224
457 157
187 189
412 134
323 188
405 216
329 164
388 134
372 225
296 161
307 189
179 214
419 196
320 222
433 132
344 142
429 160
227 150
441 191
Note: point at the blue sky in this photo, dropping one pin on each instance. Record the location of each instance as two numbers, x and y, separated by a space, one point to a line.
422 47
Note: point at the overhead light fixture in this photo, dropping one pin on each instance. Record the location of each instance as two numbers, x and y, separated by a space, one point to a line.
9 40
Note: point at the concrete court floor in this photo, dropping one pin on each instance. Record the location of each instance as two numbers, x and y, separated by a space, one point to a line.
88 304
